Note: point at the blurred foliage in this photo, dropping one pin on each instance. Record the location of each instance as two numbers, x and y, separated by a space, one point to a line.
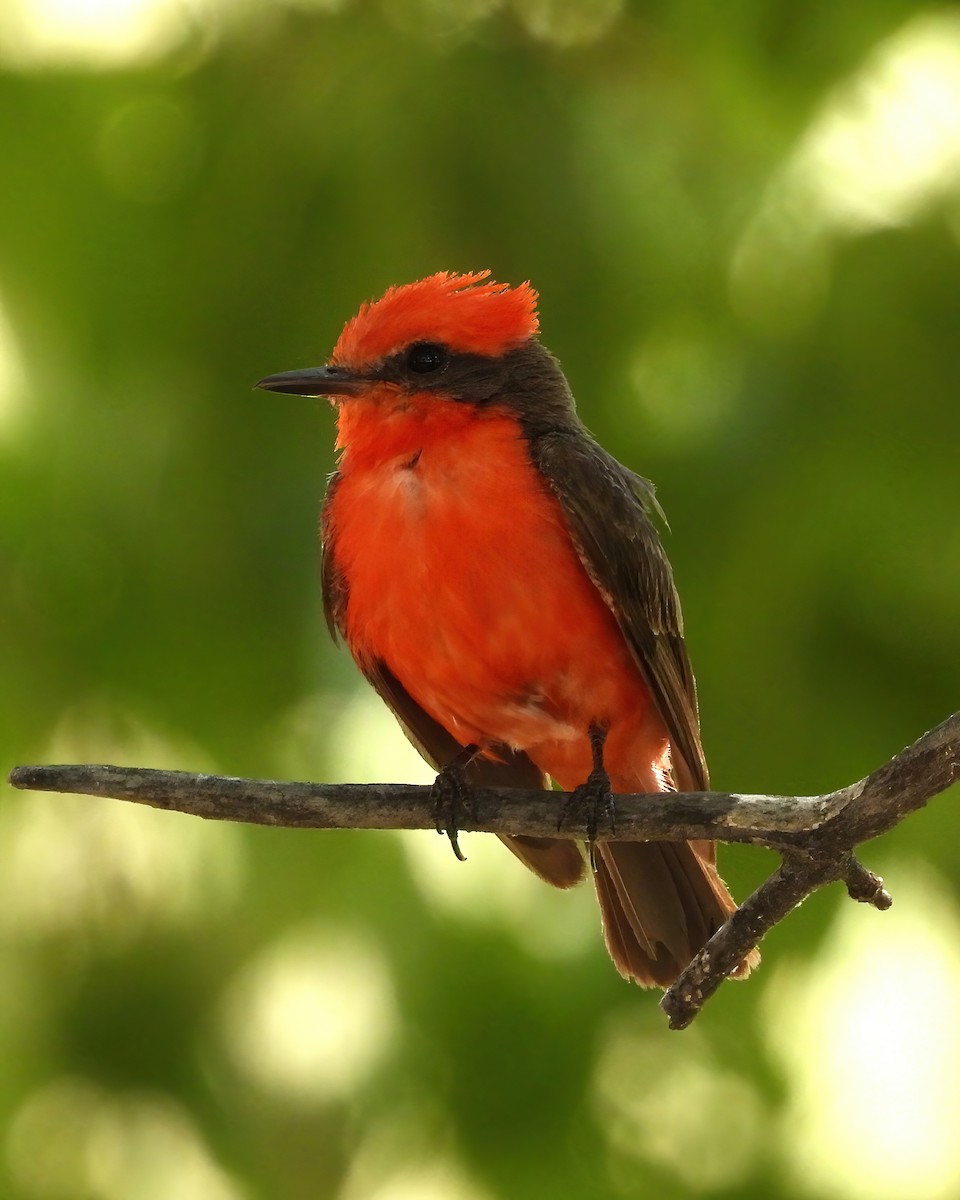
743 221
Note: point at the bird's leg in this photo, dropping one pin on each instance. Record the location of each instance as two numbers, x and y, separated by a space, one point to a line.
594 797
451 796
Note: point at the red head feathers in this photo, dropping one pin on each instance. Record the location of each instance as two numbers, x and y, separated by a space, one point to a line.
459 311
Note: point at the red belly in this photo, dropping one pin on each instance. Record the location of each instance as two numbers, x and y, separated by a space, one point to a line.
462 577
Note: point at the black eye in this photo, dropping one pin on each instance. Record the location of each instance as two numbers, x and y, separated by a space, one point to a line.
425 357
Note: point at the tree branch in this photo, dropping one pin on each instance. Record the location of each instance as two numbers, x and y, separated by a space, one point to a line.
816 835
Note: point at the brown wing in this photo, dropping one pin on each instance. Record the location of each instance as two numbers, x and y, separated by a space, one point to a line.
556 860
608 510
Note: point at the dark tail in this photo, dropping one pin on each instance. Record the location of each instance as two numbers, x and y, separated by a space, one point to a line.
660 903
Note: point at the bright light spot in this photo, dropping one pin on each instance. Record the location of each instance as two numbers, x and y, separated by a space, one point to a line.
493 888
73 1139
888 143
435 1181
884 149
870 1040
12 374
100 33
312 1017
400 1157
149 148
568 22
367 745
105 866
675 1107
685 381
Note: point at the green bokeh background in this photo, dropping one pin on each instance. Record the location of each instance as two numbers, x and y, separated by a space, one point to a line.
175 225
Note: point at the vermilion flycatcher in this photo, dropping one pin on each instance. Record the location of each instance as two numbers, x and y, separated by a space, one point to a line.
498 579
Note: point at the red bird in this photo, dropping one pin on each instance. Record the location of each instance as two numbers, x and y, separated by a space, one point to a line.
499 580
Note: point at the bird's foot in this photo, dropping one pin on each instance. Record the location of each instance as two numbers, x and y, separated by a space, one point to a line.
592 801
451 797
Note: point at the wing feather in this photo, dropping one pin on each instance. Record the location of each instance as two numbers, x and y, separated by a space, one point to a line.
609 513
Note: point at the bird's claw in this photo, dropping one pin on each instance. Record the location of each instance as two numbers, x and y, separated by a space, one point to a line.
451 801
591 804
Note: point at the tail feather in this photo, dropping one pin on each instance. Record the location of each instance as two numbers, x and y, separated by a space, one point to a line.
648 895
633 958
660 903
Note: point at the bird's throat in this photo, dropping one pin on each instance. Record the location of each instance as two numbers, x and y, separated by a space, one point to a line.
385 424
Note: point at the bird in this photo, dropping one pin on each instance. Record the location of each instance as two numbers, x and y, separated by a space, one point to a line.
498 578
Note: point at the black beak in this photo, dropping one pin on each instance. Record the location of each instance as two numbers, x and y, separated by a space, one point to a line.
314 381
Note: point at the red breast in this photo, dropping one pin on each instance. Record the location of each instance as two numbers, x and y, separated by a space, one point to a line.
462 576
